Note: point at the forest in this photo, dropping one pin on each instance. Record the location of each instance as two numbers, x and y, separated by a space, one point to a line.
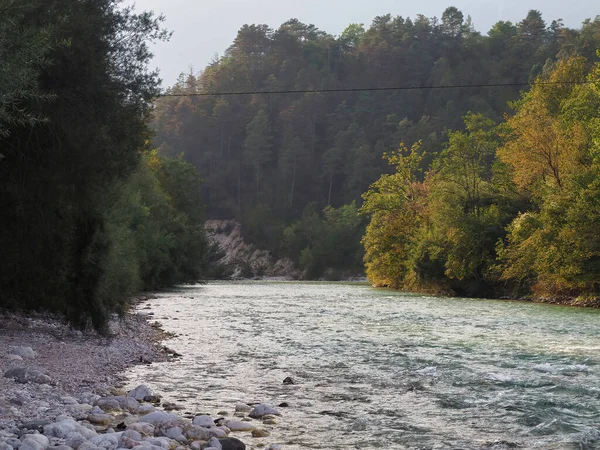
106 179
90 214
458 202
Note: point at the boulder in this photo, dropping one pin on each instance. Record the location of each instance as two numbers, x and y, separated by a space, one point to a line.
160 416
127 403
24 352
108 404
69 401
175 433
25 375
63 429
260 432
261 410
100 419
13 442
143 428
5 446
204 421
214 443
232 444
242 407
34 442
238 425
140 392
75 439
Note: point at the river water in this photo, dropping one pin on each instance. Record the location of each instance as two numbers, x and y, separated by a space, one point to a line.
379 369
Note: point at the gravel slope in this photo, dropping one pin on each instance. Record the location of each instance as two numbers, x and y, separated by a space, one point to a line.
75 362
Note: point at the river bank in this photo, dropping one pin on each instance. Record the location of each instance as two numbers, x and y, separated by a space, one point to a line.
63 389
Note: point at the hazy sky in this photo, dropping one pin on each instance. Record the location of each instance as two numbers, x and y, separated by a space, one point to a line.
203 28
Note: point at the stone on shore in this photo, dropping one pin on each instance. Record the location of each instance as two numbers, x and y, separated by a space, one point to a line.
214 443
204 421
34 442
108 404
238 425
242 407
232 444
24 352
75 439
157 417
143 428
25 375
64 427
261 410
260 432
140 392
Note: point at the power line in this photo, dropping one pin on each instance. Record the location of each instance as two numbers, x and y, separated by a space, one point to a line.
375 89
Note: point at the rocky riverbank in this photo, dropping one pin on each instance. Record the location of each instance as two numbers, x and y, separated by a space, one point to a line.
62 389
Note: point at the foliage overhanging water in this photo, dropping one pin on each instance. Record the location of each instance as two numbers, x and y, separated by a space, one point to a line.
383 369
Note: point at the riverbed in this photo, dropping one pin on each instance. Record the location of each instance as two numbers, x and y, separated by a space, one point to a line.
379 369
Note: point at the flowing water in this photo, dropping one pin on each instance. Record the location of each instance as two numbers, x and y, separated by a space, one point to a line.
382 369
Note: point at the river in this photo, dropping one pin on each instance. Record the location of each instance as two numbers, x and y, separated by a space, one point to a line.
379 369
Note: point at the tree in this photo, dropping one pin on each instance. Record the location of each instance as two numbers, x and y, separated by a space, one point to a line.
257 146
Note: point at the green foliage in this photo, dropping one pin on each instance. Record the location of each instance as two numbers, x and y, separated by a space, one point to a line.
326 244
508 210
289 151
85 223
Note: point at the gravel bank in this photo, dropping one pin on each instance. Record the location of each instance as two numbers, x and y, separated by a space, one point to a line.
65 363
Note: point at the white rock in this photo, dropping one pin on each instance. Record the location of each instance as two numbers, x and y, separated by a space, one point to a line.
75 439
127 442
34 442
204 421
140 392
238 425
274 447
263 410
242 407
128 403
214 443
198 433
88 446
24 352
12 357
13 442
69 401
158 442
196 445
108 404
64 427
160 416
219 432
143 428
5 446
112 439
147 408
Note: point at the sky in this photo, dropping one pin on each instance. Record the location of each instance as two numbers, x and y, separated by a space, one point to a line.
202 29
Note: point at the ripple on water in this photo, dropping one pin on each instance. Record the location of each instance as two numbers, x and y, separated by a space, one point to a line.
380 369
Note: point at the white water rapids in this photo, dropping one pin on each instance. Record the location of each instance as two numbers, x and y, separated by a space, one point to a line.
383 369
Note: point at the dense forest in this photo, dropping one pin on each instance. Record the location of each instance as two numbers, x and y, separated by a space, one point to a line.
510 209
293 166
90 214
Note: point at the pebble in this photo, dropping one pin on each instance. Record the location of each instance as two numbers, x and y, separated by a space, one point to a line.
262 410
